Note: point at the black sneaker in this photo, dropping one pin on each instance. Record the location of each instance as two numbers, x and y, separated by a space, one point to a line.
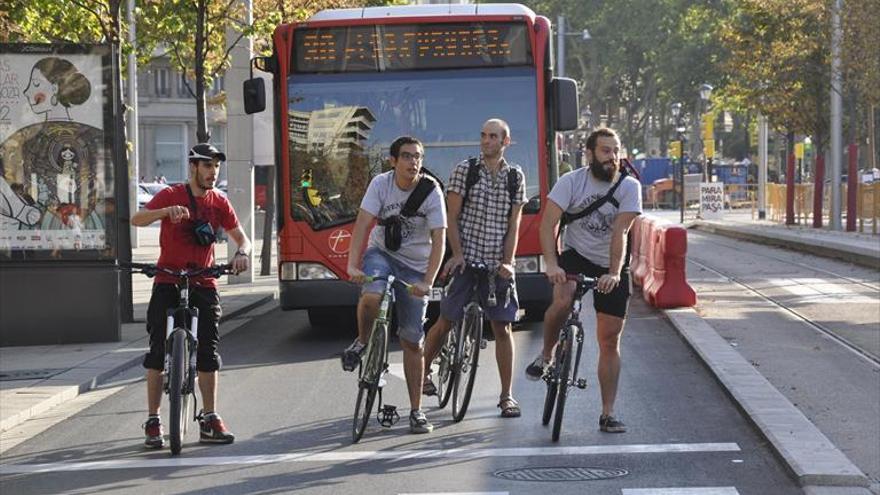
535 370
155 436
418 422
212 429
610 424
351 356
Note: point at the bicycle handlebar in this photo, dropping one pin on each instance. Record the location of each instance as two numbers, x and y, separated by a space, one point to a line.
581 279
151 270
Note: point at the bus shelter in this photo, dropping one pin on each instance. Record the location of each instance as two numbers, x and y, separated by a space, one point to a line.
63 195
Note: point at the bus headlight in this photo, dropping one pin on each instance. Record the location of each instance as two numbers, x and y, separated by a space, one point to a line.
527 264
314 271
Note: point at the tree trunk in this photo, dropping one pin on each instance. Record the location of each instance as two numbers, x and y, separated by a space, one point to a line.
266 254
202 134
872 138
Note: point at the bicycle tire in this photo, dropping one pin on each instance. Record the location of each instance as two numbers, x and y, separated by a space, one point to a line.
446 369
550 397
368 383
469 354
567 348
176 396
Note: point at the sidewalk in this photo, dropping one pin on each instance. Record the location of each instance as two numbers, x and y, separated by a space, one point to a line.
38 378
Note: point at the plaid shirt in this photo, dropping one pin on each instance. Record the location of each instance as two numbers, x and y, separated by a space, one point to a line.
483 221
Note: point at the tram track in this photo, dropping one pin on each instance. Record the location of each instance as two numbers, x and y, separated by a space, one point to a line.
854 348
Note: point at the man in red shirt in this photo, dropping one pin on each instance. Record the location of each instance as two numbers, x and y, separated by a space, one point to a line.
180 250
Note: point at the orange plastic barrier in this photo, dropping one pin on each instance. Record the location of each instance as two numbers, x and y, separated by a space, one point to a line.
668 287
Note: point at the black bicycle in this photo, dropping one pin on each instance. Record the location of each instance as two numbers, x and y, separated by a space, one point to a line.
181 344
374 366
562 375
460 353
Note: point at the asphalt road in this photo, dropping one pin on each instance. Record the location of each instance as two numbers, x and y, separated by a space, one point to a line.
284 395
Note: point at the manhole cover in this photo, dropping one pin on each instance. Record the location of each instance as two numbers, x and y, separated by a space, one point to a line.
561 474
29 374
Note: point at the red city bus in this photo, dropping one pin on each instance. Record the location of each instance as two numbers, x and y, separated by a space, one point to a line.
348 82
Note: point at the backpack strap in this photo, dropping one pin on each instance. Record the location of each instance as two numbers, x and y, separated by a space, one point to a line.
418 196
473 176
512 183
595 205
192 202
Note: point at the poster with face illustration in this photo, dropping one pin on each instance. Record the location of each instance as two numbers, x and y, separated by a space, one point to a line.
56 175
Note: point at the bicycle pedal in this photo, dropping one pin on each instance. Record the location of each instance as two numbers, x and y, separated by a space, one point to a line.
582 383
484 343
388 416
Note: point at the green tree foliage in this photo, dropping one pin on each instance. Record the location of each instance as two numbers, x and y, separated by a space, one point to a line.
779 62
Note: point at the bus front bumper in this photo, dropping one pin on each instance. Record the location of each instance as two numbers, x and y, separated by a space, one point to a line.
533 291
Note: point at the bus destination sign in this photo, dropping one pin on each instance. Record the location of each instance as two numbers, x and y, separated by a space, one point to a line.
396 47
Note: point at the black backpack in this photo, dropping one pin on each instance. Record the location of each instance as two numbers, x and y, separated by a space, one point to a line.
473 176
394 223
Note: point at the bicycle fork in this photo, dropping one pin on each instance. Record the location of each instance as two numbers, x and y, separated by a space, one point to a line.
580 383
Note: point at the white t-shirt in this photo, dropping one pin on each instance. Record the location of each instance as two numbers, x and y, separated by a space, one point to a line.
590 236
384 199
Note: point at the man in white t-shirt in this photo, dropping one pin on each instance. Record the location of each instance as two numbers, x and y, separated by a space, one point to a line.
415 261
594 245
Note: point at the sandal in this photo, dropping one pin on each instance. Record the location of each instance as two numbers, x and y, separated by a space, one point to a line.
509 408
428 387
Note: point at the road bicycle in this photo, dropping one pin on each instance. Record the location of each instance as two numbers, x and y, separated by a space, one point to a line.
374 365
181 344
460 353
561 375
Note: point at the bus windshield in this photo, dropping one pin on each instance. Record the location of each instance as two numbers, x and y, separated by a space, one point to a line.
340 127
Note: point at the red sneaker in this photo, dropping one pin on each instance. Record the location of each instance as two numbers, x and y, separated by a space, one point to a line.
212 429
155 435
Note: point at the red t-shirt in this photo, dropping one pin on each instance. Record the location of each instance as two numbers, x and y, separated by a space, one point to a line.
178 247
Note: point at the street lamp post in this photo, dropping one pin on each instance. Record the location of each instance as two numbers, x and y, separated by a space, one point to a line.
561 33
705 94
679 130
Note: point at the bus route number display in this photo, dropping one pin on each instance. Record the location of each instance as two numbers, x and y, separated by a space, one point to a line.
396 47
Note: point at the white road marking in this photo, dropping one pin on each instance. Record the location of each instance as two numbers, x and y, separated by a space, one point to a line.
458 493
703 490
396 369
331 457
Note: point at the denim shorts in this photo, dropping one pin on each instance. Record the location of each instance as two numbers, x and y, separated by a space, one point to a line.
410 309
461 289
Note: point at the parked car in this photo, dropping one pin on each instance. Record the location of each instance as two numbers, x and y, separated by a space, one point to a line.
146 191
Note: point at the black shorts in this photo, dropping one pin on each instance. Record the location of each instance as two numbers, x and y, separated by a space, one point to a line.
615 302
207 300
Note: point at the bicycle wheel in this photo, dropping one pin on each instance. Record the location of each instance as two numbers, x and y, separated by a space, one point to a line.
175 389
466 362
368 383
446 368
550 398
563 360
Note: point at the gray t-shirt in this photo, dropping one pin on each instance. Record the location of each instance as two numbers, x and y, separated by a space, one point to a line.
384 199
590 236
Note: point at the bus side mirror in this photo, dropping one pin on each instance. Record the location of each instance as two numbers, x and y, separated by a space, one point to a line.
254 95
565 103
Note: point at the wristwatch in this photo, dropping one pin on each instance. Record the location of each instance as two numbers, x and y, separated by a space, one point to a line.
241 252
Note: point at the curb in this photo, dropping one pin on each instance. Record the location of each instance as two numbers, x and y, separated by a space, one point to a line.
104 367
812 458
827 248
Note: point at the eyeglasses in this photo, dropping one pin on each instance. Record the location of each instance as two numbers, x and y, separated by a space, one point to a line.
405 155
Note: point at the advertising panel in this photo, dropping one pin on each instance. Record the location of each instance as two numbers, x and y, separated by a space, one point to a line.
56 166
